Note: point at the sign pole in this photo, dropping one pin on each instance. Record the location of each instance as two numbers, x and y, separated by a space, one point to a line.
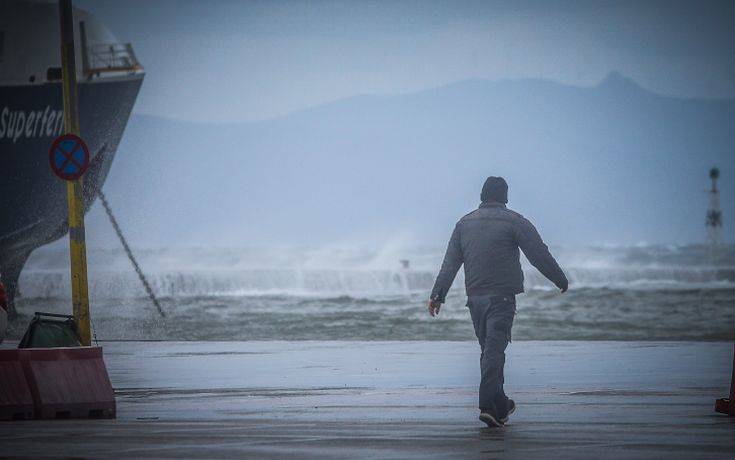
74 196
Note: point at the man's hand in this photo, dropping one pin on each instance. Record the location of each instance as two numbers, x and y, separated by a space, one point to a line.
434 306
564 288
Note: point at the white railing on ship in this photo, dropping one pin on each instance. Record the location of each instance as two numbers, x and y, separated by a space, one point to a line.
113 57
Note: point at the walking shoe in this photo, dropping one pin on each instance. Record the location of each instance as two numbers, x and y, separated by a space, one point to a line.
489 417
510 408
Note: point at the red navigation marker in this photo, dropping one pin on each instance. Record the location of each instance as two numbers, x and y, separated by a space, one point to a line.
69 157
727 405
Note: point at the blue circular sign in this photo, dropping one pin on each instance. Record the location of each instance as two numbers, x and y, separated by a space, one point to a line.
69 157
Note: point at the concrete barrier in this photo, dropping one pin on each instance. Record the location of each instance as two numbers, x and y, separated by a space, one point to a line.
68 382
16 401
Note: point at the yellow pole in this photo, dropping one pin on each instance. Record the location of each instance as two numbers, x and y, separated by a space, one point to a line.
74 197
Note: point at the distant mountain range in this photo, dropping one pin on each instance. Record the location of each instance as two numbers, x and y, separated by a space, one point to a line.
610 163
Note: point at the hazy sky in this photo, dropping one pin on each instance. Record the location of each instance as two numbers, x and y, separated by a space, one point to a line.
233 60
383 162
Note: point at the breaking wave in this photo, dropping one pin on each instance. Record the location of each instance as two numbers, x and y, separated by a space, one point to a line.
656 293
357 283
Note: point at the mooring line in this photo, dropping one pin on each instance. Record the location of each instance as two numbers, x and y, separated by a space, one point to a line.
129 252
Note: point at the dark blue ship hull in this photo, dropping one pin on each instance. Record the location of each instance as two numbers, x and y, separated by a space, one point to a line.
33 208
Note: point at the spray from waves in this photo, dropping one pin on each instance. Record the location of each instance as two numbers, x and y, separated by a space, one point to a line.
253 282
352 273
656 293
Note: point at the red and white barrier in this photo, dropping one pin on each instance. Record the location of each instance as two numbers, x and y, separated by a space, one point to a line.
61 382
16 401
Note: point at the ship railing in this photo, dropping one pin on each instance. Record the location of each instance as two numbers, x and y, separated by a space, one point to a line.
112 57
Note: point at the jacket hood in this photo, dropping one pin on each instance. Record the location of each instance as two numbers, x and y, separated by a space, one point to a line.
495 189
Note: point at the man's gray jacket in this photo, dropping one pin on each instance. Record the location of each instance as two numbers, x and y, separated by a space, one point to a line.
487 241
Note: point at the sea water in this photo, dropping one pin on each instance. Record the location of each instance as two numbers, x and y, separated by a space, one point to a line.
617 293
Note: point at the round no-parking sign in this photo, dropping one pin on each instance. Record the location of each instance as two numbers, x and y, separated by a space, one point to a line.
69 157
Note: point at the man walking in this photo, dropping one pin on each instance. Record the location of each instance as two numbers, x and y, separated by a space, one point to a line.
486 241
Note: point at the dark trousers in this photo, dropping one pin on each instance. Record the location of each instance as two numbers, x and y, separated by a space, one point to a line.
493 320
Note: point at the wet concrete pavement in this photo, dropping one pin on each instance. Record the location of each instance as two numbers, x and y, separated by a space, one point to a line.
397 400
